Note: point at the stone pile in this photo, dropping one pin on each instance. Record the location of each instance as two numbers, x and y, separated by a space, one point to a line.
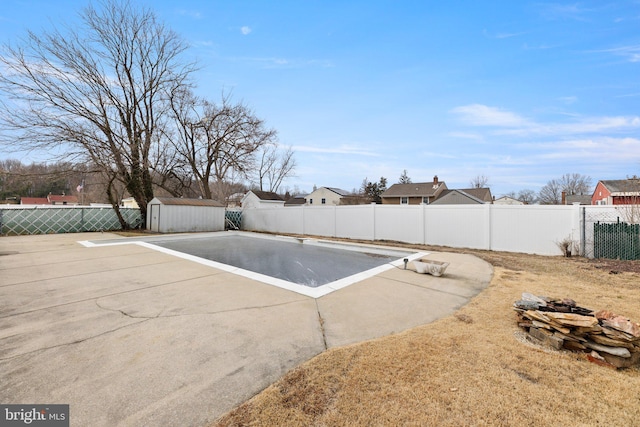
607 338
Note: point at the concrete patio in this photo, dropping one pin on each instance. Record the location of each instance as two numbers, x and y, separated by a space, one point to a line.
130 336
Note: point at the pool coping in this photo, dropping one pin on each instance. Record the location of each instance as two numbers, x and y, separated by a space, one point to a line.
317 292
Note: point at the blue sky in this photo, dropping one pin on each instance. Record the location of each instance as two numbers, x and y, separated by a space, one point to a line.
518 91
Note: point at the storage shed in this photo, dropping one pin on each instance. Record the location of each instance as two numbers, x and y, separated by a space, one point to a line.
174 215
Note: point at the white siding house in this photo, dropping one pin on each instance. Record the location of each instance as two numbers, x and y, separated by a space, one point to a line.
261 199
326 196
506 200
173 215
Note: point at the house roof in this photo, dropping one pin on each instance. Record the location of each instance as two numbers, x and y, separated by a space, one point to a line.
418 189
578 198
295 201
508 200
483 194
34 201
177 201
339 191
630 185
456 197
61 198
267 195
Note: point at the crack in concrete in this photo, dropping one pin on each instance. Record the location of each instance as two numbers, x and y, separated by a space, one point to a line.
202 313
79 341
142 319
104 296
66 276
426 288
321 321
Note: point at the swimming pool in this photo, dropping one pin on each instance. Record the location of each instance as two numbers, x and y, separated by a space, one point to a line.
308 266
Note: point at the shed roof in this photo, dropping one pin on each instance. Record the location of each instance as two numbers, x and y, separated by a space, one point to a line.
267 195
178 201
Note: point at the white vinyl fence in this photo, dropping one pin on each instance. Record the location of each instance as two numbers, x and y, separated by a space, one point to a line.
528 229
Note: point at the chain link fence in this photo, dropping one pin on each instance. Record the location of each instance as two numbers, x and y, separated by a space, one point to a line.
48 220
233 219
608 231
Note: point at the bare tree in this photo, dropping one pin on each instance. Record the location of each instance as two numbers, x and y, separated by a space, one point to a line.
404 178
274 165
100 89
479 181
575 184
527 196
217 140
551 193
570 183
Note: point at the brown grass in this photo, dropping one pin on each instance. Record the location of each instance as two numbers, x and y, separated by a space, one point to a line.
471 368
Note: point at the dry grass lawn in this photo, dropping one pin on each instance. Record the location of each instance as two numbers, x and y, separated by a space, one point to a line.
469 369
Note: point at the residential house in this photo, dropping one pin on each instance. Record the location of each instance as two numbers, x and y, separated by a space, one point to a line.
296 201
617 192
575 199
413 193
330 196
468 196
51 199
261 199
506 200
130 202
34 201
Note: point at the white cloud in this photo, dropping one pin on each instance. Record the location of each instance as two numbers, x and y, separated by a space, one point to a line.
465 135
190 13
509 123
631 52
568 99
245 30
275 62
483 115
502 35
343 149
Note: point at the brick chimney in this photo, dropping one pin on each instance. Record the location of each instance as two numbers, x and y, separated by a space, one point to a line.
564 198
435 179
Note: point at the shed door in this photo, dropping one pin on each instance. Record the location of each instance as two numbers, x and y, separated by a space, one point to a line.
155 218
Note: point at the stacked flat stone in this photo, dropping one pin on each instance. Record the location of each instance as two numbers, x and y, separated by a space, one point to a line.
607 338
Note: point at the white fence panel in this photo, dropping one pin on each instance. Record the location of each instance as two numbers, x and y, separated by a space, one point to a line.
459 226
320 220
399 223
274 220
528 229
533 229
355 222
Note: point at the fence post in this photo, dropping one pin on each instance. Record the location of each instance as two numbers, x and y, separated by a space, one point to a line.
373 213
488 214
583 233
